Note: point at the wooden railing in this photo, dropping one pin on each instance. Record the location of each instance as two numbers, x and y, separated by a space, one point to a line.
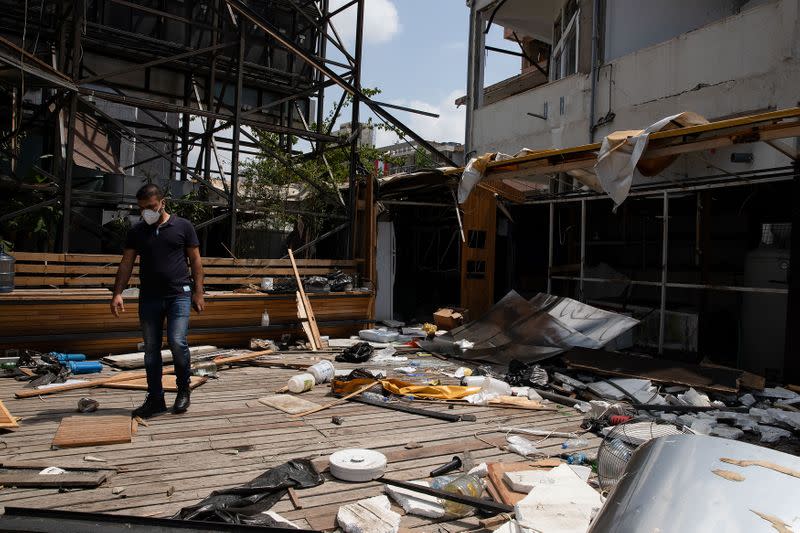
99 270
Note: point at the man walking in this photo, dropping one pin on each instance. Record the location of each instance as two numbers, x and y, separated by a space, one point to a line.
167 290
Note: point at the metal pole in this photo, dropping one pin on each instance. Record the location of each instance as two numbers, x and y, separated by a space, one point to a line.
77 23
356 128
323 42
664 249
237 124
583 247
550 249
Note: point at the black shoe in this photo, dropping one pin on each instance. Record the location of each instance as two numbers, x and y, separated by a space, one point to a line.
181 402
152 406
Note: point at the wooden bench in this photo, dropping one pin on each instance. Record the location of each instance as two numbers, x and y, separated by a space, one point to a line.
99 270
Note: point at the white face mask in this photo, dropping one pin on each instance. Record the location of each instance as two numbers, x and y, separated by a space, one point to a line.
150 216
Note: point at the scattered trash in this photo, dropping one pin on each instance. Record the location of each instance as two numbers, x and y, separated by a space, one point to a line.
322 371
52 471
521 446
170 491
415 502
413 445
568 504
526 374
117 490
727 474
338 420
574 443
87 405
246 503
378 335
357 464
465 485
358 353
93 459
373 515
463 371
450 466
301 383
205 368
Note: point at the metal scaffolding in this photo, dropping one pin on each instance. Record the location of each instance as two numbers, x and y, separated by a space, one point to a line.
231 64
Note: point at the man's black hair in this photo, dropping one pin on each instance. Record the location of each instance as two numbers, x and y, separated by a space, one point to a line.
151 189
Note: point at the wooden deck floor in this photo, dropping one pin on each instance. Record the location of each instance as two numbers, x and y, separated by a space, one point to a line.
228 437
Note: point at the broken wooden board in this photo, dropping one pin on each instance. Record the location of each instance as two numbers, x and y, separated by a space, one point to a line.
288 403
498 470
659 370
92 430
7 421
520 403
29 477
168 382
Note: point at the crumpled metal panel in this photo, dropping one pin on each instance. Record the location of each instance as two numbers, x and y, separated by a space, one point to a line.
669 486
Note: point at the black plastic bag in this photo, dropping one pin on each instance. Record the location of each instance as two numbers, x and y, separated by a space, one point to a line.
340 282
284 286
525 374
246 503
358 353
316 284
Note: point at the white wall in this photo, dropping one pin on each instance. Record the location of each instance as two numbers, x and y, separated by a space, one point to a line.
745 63
635 24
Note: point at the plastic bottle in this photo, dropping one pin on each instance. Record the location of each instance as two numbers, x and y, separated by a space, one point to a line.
205 368
488 385
301 383
265 318
63 357
323 371
578 458
8 365
465 485
85 367
574 443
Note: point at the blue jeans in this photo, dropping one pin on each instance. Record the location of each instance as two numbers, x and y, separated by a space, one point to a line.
152 312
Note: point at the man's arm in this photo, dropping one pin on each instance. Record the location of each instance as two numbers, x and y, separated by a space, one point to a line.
123 276
195 263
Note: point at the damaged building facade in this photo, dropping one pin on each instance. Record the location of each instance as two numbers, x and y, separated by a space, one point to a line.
721 216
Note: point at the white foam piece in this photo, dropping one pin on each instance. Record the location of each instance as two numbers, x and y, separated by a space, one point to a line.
416 502
373 515
283 522
566 506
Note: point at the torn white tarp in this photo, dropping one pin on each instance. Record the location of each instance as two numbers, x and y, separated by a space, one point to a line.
416 503
621 151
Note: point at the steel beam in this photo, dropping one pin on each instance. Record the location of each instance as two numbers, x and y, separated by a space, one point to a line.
259 21
237 126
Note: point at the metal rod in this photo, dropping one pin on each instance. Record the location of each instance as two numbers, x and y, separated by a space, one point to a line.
34 207
654 193
550 249
66 220
504 51
673 285
664 261
449 417
318 239
218 218
409 109
355 126
237 126
155 62
478 503
259 21
583 248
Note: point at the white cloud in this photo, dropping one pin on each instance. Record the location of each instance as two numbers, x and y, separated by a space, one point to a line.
448 127
381 21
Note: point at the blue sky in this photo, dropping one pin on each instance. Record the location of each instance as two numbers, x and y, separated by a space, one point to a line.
415 51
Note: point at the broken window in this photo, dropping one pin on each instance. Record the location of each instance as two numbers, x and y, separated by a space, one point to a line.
565 37
476 269
476 238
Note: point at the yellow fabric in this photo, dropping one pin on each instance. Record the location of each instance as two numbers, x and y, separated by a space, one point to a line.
403 388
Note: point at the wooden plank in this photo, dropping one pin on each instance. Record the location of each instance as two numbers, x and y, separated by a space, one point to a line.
78 431
7 421
29 477
168 382
314 339
288 403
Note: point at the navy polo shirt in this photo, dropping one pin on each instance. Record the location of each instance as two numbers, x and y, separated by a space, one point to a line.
163 268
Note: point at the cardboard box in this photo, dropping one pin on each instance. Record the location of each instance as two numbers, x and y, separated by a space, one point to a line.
448 318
